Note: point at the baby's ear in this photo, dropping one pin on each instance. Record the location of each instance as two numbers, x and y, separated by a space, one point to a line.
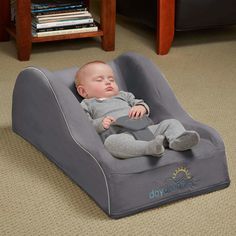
81 91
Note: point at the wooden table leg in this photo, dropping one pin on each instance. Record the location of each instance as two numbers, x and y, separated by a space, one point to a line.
165 25
108 22
23 30
5 19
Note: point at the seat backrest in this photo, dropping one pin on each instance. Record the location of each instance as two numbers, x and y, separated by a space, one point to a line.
67 77
136 74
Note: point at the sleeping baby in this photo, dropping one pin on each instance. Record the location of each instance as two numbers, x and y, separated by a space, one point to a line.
105 105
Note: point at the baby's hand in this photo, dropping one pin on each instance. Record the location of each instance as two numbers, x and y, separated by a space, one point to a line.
137 112
107 121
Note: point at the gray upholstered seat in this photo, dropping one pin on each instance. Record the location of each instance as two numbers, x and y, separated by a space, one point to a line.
47 112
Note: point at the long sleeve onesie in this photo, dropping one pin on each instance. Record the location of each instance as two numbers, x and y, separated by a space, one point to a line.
116 107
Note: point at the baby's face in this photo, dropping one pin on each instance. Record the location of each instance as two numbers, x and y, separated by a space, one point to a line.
98 82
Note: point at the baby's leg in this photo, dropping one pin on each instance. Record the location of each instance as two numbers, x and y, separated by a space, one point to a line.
178 138
125 146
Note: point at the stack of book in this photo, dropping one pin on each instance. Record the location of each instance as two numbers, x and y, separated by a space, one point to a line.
56 17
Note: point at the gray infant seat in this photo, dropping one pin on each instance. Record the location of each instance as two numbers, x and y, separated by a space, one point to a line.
46 112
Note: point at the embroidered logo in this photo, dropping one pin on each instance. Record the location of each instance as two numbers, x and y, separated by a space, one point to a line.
181 173
180 180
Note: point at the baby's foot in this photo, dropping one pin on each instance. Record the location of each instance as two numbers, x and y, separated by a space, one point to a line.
185 141
155 147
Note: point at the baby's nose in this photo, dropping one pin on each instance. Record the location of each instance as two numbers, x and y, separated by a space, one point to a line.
107 81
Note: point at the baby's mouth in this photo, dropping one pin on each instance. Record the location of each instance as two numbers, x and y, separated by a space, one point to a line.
109 89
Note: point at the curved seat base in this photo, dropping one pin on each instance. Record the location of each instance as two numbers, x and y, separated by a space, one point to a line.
47 112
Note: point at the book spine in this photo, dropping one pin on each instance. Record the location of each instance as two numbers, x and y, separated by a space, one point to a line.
63 23
56 8
36 6
62 18
41 6
74 13
52 3
64 27
61 32
58 11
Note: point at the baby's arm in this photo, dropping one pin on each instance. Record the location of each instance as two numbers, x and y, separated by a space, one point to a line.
107 121
137 111
138 106
97 123
100 124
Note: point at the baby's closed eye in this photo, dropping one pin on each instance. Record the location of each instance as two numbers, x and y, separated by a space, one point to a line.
111 79
99 79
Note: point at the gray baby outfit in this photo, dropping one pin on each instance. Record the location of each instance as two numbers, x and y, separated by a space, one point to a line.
116 107
124 145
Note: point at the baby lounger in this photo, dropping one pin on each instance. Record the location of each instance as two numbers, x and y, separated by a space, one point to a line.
47 112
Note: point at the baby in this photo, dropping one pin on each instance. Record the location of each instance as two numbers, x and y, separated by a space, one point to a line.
104 104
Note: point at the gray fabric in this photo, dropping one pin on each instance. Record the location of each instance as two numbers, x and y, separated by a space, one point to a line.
143 134
124 146
46 112
177 138
133 124
117 106
137 127
170 128
185 141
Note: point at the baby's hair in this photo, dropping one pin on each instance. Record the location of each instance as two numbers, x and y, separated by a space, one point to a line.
77 76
